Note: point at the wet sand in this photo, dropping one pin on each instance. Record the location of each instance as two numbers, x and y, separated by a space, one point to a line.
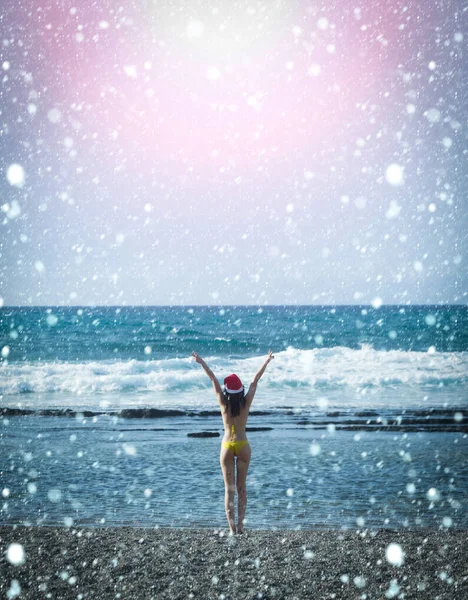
173 563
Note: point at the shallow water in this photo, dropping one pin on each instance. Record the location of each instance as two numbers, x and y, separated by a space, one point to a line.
149 473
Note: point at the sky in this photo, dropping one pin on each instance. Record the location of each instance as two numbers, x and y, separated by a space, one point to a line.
261 152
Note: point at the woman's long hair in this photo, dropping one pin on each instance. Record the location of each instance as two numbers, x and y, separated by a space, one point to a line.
234 401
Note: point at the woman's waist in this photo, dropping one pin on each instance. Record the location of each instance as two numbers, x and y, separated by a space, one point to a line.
238 436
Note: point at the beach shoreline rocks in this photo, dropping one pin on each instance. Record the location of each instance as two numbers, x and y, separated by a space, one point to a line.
205 563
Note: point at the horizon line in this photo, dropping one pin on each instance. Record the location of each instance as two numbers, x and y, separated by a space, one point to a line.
369 305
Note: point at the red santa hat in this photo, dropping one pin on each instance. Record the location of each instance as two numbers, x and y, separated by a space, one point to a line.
232 384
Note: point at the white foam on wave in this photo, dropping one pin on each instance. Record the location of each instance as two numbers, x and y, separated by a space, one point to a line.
319 369
342 367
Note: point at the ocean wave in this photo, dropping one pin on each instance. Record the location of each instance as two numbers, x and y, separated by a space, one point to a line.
318 368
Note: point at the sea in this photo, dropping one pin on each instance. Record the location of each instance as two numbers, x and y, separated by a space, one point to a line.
359 422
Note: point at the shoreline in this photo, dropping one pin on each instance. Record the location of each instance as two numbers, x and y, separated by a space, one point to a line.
206 563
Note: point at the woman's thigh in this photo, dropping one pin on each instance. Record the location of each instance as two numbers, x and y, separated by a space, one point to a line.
243 461
226 460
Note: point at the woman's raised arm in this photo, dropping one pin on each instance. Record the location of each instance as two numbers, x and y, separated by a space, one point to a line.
256 379
209 372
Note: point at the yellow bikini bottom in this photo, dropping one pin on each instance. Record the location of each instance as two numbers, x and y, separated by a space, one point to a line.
235 446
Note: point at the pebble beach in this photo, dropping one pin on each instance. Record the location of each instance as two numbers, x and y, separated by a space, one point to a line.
176 563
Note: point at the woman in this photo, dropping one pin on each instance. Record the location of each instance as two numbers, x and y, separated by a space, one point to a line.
235 406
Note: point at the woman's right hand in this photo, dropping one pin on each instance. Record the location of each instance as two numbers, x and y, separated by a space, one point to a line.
198 359
269 357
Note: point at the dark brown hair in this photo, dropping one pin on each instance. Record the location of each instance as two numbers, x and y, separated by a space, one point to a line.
234 401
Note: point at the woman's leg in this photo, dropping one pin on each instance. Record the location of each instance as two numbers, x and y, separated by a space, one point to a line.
226 460
243 460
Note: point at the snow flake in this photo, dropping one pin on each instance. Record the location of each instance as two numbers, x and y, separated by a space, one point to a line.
15 554
359 581
447 142
54 115
322 23
393 210
432 115
447 522
393 590
395 555
195 29
52 320
314 449
433 494
54 495
130 71
314 70
15 175
213 73
430 320
394 174
15 589
129 449
360 202
39 266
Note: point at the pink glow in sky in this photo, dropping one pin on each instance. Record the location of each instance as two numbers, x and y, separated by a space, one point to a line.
160 87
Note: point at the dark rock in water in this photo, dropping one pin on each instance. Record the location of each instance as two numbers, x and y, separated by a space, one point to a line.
204 434
149 413
259 428
6 411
